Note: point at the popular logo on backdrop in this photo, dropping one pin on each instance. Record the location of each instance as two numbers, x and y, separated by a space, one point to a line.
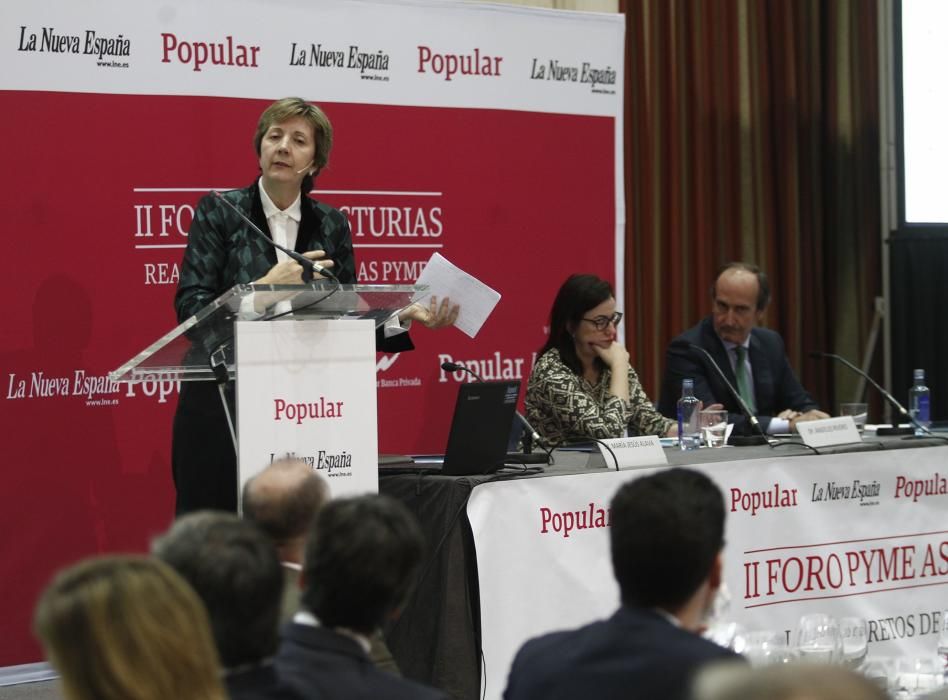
601 80
201 54
371 65
449 66
107 50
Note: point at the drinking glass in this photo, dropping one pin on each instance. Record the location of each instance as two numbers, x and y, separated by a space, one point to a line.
859 412
818 639
853 631
713 427
764 648
942 645
919 676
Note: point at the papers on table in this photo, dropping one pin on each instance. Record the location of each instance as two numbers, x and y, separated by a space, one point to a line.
445 279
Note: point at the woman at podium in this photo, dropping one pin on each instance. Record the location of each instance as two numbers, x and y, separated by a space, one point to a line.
293 140
582 385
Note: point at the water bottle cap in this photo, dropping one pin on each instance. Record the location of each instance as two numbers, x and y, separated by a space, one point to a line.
919 374
687 383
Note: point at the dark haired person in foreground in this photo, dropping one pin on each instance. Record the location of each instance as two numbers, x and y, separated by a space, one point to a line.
362 556
582 385
234 569
753 359
283 500
666 539
292 141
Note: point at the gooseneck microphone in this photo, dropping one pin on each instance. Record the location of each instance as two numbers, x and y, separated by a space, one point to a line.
309 266
895 429
534 436
737 440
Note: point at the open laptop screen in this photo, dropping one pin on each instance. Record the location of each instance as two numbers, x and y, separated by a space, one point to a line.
477 443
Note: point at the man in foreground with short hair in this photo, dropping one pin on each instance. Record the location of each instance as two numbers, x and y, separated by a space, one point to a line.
667 536
235 571
752 358
362 556
283 501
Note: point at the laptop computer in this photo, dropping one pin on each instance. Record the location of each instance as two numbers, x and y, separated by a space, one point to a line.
479 435
477 442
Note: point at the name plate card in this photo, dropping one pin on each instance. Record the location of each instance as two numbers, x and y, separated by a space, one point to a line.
632 452
829 431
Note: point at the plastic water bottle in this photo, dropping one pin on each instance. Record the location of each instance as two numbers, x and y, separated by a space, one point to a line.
689 431
920 401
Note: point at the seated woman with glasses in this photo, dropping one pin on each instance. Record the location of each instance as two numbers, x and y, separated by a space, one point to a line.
582 385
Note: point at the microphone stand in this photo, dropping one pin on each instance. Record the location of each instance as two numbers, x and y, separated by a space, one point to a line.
309 266
881 432
737 440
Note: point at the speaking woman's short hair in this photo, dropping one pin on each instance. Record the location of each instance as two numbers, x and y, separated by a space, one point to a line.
127 628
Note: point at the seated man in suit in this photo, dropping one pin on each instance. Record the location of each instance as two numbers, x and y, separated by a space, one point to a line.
752 358
362 556
234 569
667 535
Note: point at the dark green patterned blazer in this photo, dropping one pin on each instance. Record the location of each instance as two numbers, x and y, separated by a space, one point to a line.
222 250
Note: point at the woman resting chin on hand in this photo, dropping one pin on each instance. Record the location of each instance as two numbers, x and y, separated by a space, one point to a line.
582 385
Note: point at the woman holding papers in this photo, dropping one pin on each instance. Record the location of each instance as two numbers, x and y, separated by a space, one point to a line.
292 142
582 385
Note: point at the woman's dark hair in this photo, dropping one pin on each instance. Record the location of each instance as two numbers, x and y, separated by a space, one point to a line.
577 295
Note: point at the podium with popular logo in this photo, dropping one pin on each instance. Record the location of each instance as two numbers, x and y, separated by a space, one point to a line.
303 358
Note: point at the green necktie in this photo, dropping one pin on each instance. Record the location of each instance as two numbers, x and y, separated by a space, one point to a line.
743 381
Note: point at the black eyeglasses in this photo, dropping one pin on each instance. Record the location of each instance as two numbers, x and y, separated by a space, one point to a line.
602 322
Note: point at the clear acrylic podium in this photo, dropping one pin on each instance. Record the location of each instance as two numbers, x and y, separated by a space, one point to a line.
201 348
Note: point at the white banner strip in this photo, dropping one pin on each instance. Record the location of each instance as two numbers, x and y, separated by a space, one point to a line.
444 54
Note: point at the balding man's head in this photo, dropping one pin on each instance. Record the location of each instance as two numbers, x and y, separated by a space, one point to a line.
283 500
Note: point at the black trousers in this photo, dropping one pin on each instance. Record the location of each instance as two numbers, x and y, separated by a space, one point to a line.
203 460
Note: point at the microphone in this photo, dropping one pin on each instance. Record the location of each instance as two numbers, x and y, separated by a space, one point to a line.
737 440
305 168
895 429
532 434
309 266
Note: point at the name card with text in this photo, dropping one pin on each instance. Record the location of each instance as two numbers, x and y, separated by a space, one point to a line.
631 452
829 431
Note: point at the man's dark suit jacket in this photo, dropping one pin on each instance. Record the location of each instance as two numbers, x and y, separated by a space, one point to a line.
259 683
323 664
776 387
635 655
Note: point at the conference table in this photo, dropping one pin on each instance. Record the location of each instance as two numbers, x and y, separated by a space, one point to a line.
856 529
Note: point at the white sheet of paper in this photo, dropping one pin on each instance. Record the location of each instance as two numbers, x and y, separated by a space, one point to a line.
444 279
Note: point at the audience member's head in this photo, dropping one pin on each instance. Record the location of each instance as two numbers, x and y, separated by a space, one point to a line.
361 558
283 500
667 534
235 571
790 682
127 628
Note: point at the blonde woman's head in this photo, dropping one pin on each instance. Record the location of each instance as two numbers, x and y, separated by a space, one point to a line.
127 628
